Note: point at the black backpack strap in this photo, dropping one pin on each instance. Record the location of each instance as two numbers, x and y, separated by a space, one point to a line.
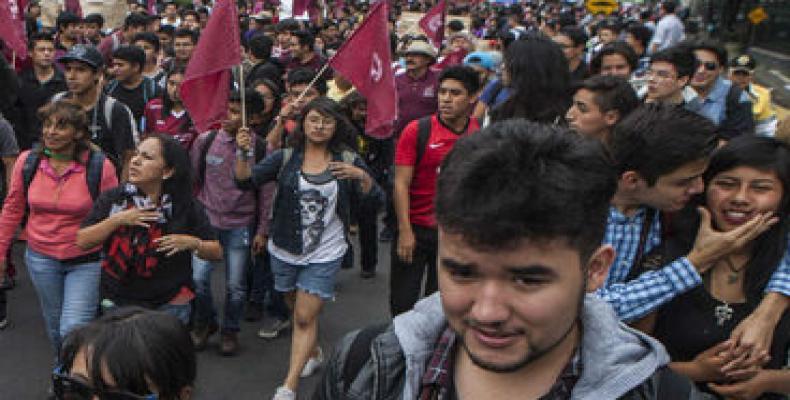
29 169
671 385
201 177
93 173
423 135
359 353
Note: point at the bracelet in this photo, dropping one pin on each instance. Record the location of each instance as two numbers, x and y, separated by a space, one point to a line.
197 249
244 155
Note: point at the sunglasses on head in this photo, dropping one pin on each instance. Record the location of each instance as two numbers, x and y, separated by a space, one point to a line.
69 388
709 65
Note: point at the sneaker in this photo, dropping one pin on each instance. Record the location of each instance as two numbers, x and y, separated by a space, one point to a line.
283 393
229 344
313 364
3 323
201 335
274 329
386 235
254 312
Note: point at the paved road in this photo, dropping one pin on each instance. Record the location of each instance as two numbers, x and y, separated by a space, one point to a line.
25 356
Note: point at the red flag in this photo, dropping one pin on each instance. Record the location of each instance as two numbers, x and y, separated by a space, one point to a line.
258 7
432 23
73 6
300 7
365 60
152 7
206 84
13 33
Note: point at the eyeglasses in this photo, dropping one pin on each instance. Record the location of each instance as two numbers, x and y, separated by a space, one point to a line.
68 388
660 74
709 65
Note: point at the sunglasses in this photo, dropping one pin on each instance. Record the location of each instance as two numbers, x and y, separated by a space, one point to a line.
709 65
68 388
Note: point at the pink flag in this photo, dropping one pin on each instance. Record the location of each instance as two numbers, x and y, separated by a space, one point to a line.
206 84
13 31
152 7
365 60
432 23
258 7
73 6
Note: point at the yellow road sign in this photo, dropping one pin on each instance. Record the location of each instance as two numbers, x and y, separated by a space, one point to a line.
757 15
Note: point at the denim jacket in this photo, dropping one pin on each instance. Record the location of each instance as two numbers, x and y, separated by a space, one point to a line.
286 226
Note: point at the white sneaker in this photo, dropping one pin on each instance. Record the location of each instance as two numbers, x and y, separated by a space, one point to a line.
313 364
283 393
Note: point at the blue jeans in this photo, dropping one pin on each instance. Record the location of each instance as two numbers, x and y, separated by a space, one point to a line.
180 311
69 294
236 252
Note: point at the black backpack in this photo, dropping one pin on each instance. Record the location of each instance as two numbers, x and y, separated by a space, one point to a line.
93 175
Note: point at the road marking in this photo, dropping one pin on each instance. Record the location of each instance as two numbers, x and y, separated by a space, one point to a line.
780 75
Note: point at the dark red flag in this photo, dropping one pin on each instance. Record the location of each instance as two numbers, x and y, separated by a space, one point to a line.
299 7
152 7
206 84
12 31
365 60
432 23
258 7
73 6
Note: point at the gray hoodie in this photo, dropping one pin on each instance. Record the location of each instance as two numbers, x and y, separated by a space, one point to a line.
619 362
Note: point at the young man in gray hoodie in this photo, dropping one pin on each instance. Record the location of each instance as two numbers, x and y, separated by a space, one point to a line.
521 210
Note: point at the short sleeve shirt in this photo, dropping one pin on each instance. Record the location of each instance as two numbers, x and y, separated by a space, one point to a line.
422 190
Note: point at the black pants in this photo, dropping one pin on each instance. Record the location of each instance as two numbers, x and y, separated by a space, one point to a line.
406 278
367 214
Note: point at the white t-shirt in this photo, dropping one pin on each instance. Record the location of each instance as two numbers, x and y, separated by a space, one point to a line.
669 32
323 237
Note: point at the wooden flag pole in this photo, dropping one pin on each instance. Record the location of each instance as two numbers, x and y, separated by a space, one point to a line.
312 82
243 96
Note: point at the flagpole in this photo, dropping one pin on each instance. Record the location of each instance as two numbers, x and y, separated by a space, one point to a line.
13 59
243 96
312 82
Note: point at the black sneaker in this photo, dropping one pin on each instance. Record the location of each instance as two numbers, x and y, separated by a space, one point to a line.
254 312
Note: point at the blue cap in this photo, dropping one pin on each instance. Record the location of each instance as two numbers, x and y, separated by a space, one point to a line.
482 59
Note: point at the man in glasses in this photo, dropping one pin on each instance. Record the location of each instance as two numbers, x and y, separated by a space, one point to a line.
718 99
668 76
742 74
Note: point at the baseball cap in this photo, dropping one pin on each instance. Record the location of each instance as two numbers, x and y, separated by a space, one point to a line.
83 53
482 59
743 62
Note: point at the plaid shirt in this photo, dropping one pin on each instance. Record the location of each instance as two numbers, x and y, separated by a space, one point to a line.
437 381
638 297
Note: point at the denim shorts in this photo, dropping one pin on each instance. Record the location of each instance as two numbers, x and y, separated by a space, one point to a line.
316 278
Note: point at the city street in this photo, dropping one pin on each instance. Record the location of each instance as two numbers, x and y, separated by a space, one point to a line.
26 358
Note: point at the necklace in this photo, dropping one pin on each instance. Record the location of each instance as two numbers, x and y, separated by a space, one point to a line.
734 274
723 313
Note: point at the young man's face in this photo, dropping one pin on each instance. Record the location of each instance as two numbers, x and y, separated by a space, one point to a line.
183 48
70 31
43 53
570 51
511 306
232 121
416 61
90 30
165 40
635 44
586 117
80 77
171 10
190 22
673 191
741 77
295 90
663 82
173 84
455 101
150 52
297 50
607 36
708 70
615 65
125 71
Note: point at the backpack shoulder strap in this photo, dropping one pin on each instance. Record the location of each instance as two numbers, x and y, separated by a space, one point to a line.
109 104
29 169
359 353
423 135
203 154
111 86
260 148
93 173
287 153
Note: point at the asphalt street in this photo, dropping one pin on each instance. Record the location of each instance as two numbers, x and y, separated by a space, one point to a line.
26 356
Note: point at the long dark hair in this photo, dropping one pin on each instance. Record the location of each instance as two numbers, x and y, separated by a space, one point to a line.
770 155
179 185
139 348
539 81
344 130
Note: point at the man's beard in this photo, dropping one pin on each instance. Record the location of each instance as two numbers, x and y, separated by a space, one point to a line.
534 353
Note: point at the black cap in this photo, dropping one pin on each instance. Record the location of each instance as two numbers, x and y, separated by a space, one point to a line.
743 62
83 53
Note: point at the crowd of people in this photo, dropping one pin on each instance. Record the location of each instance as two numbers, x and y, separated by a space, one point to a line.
576 206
